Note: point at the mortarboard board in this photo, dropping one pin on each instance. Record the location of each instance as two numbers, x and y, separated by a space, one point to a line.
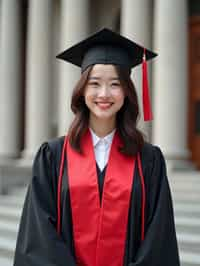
108 47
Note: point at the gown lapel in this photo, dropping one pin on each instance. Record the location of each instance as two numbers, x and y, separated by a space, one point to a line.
101 175
99 229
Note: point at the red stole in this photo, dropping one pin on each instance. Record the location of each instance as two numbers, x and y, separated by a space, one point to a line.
99 231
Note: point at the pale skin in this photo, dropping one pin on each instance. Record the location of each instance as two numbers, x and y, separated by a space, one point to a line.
104 96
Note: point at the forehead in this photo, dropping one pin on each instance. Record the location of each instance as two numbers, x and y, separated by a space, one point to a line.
104 70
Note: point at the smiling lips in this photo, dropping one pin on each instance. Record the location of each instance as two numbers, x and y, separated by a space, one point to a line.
104 105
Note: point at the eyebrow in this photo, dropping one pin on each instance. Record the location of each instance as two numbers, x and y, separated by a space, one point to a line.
98 78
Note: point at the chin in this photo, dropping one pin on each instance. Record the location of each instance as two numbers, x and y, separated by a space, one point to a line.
105 117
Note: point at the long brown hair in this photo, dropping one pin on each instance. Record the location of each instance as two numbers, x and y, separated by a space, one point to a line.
127 116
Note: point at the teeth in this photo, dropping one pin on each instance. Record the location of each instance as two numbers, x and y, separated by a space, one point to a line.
104 104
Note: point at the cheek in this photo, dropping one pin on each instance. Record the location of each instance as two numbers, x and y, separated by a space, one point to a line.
121 101
88 97
120 97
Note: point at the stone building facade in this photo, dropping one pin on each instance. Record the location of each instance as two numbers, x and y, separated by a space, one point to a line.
35 88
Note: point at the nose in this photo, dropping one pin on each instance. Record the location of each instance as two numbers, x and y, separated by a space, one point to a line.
104 91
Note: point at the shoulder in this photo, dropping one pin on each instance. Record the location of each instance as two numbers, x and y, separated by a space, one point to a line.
50 150
47 159
154 169
151 155
149 151
56 144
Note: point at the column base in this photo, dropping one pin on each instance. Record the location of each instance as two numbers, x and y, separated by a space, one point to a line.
180 165
9 156
179 160
28 154
174 153
14 173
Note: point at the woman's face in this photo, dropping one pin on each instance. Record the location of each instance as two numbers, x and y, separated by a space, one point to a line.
104 95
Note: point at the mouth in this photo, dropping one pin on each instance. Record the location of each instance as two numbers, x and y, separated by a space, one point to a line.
104 105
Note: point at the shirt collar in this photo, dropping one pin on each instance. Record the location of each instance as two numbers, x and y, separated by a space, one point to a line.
108 138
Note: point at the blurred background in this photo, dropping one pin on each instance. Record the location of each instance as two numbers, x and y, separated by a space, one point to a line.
35 92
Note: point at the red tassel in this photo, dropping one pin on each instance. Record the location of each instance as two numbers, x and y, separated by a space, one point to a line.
145 92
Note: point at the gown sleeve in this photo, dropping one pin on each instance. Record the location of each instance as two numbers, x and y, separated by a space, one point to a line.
160 244
38 243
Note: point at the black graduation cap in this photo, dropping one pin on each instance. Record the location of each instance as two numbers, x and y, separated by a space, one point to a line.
108 47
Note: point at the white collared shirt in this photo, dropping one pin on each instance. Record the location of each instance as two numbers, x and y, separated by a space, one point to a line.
102 148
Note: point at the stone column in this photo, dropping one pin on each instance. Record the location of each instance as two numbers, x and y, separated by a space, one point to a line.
0 21
170 78
74 27
10 77
39 73
136 24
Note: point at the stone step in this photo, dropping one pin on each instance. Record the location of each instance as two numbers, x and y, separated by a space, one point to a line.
187 194
173 180
10 197
19 195
189 197
181 220
187 214
20 189
183 181
9 229
187 224
178 177
187 188
9 234
13 173
185 211
10 213
4 261
188 207
185 174
191 181
189 258
187 264
13 201
191 210
178 193
185 202
7 247
19 192
188 241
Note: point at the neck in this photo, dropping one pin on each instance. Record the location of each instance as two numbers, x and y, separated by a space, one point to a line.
102 127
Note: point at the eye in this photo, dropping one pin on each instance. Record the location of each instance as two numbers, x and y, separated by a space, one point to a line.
115 84
93 83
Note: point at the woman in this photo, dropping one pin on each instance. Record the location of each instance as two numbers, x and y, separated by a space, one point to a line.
100 195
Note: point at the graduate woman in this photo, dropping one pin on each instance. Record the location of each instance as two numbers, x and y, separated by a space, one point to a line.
100 196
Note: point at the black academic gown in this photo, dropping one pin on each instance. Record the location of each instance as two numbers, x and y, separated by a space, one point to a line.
38 243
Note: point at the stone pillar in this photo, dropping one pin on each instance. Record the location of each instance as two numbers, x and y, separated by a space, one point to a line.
136 24
39 73
0 21
170 78
10 77
74 27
